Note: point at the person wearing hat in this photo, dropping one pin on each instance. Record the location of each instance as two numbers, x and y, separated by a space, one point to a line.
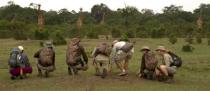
121 54
24 63
46 59
165 70
76 57
144 50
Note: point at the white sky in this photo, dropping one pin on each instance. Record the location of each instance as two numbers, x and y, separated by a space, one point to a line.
156 5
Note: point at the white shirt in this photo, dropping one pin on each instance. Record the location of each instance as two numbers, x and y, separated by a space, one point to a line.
117 46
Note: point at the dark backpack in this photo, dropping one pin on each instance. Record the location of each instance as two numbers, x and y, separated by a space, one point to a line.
46 56
13 59
127 47
103 48
177 61
150 61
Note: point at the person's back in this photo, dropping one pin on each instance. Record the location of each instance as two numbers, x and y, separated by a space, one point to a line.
121 54
167 59
76 57
24 60
148 64
46 57
74 53
101 59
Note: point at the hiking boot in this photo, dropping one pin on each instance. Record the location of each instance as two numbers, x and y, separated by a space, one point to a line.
104 74
21 77
12 78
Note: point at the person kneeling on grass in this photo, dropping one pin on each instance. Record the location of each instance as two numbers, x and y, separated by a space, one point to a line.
19 63
165 72
101 59
121 54
46 59
76 57
148 64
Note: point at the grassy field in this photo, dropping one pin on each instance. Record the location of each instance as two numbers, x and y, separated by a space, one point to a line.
194 75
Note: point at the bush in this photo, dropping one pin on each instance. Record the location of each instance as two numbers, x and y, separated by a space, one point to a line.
172 39
41 34
158 32
129 34
58 39
116 33
92 35
124 37
199 39
73 33
209 42
189 39
187 48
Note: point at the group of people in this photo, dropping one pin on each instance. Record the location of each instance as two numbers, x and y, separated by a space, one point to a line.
104 56
150 69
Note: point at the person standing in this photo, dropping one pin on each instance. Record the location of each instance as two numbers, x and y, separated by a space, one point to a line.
121 54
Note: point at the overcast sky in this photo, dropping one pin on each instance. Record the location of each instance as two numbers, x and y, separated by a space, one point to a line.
156 5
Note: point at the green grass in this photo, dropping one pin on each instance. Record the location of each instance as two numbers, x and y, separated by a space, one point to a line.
194 75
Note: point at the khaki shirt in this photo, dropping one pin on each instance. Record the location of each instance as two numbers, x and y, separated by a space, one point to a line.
167 59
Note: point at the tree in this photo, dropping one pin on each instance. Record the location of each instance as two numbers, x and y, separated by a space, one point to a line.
99 12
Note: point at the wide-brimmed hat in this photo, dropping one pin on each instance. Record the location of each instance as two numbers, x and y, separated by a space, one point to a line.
20 48
75 41
145 48
161 48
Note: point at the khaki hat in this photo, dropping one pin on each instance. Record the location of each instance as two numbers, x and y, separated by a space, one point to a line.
145 48
161 48
20 48
115 41
75 41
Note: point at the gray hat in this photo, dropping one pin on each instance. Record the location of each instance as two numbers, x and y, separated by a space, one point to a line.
48 44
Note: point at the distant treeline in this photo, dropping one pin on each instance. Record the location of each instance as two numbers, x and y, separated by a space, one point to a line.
21 23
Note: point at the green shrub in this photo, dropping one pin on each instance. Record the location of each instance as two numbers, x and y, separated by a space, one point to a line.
209 42
187 48
73 33
116 33
199 39
20 35
58 39
172 39
189 39
41 34
124 37
92 35
130 34
5 34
